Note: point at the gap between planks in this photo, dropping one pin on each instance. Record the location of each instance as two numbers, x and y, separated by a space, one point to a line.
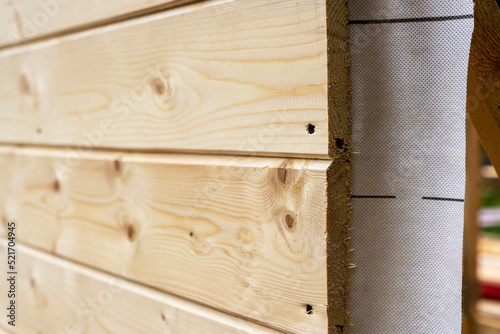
241 154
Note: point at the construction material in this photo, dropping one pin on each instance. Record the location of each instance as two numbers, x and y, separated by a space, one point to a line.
24 20
103 101
483 86
408 79
213 229
63 297
193 78
204 150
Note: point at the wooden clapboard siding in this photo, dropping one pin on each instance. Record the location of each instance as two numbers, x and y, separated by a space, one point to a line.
246 235
24 20
236 76
57 296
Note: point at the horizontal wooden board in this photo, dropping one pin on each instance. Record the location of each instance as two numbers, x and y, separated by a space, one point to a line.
243 234
57 296
24 20
235 76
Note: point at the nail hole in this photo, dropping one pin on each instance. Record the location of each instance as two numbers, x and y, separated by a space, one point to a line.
191 234
158 86
38 130
339 142
309 309
311 128
290 222
163 317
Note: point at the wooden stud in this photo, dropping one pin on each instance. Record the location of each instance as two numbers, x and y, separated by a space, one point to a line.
483 86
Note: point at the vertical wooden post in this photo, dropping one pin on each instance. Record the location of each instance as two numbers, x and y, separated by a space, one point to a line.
483 86
472 203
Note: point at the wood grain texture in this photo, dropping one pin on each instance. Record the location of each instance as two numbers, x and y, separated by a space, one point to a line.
25 20
9 30
57 296
246 235
235 76
472 205
339 172
483 85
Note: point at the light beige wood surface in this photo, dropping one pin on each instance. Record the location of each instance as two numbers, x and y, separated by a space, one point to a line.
9 30
236 76
243 234
24 20
483 85
57 296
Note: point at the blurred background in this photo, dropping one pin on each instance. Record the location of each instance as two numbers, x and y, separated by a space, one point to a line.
481 282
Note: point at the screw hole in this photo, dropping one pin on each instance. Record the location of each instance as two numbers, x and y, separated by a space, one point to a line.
311 128
339 142
309 309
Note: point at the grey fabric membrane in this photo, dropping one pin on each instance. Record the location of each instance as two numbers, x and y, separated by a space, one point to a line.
408 73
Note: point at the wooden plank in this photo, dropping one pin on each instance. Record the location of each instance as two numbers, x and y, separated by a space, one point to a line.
57 296
472 205
243 234
9 30
483 85
235 76
24 20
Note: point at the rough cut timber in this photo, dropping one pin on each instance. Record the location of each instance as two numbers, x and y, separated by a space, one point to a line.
62 297
483 86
